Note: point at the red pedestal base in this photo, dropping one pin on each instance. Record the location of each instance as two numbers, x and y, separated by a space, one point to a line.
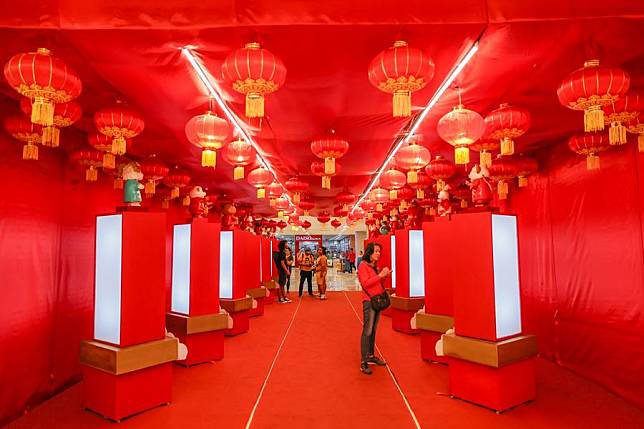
400 321
386 312
202 347
240 323
259 310
495 388
271 297
428 341
120 396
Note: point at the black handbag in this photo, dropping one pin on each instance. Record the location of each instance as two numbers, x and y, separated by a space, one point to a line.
378 302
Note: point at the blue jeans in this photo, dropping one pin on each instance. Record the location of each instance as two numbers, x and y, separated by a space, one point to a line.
369 324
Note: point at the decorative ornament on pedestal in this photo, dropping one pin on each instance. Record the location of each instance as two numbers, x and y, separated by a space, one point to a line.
592 87
228 219
120 123
65 114
91 159
198 207
21 129
480 185
153 170
440 169
317 168
132 188
444 203
329 148
461 127
620 113
589 145
208 132
503 170
45 80
260 178
401 70
239 153
505 124
413 158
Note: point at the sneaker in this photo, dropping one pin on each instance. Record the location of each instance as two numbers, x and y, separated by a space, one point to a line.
376 360
287 300
282 301
365 368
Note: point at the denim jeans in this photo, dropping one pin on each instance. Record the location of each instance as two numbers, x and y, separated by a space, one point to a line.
369 324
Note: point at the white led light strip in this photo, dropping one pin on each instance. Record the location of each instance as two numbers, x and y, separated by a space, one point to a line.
204 76
419 119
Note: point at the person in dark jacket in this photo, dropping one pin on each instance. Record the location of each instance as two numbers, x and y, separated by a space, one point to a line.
283 270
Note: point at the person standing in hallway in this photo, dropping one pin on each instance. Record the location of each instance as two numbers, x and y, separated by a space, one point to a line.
283 271
358 260
289 264
351 256
372 281
320 272
306 261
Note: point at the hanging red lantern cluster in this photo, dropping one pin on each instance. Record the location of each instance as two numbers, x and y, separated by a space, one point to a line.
392 180
525 167
120 123
176 180
592 87
318 169
401 70
209 132
254 72
329 148
620 114
239 153
65 114
413 158
22 129
45 80
103 144
260 178
296 186
92 160
503 170
589 145
506 124
154 170
485 147
461 127
440 169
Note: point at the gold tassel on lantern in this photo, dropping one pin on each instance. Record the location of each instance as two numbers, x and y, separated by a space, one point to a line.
296 198
42 112
485 159
403 205
150 188
109 161
523 181
280 214
208 157
91 174
261 193
640 142
592 161
617 134
30 152
393 194
420 194
463 204
186 201
118 183
329 165
50 136
502 189
378 207
165 204
369 215
326 182
254 105
432 211
461 155
174 193
238 173
507 146
412 176
119 145
440 184
593 119
402 104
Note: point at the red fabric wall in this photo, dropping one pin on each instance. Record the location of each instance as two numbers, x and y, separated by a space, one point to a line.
582 265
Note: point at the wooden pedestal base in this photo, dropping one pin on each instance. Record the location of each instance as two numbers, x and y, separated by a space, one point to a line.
239 310
259 295
402 310
432 327
202 335
428 340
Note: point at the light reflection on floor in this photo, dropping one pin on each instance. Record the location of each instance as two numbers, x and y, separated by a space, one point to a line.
336 281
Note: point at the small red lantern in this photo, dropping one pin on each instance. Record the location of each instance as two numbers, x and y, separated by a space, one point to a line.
637 127
65 114
379 196
485 147
345 198
620 113
589 144
329 148
260 178
463 193
336 223
273 191
440 169
306 224
306 205
103 144
401 70
281 205
153 171
423 181
239 153
254 72
176 179
368 207
592 87
209 132
413 158
505 124
120 123
461 127
91 160
323 218
392 180
45 80
296 186
503 169
281 224
405 195
22 129
525 167
317 168
339 211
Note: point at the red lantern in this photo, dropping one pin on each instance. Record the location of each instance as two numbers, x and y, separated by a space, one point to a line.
525 167
273 191
176 179
120 123
345 198
296 186
620 113
260 178
592 87
356 214
505 124
485 147
413 158
254 72
22 129
306 205
306 224
589 144
463 193
239 153
637 127
209 132
340 211
392 180
423 181
379 196
281 224
461 127
368 207
65 114
323 218
45 80
91 160
440 169
401 70
281 205
317 168
503 169
153 171
103 144
329 149
336 223
405 195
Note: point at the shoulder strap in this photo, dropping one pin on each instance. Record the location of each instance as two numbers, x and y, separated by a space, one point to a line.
362 287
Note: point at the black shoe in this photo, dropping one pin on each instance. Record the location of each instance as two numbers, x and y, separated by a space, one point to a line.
376 360
364 367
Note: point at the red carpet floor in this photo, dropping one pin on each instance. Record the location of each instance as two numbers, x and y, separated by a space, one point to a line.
315 383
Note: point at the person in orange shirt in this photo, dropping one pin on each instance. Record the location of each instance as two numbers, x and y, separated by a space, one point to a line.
320 272
306 261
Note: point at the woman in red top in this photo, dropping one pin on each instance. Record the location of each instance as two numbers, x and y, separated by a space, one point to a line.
372 281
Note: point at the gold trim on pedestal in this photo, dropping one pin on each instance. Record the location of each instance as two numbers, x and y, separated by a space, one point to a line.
122 360
490 353
180 324
270 284
407 304
434 322
257 292
236 305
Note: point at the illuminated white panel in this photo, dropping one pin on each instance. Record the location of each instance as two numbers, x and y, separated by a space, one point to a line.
181 269
416 264
107 281
261 262
270 252
392 252
226 264
506 275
